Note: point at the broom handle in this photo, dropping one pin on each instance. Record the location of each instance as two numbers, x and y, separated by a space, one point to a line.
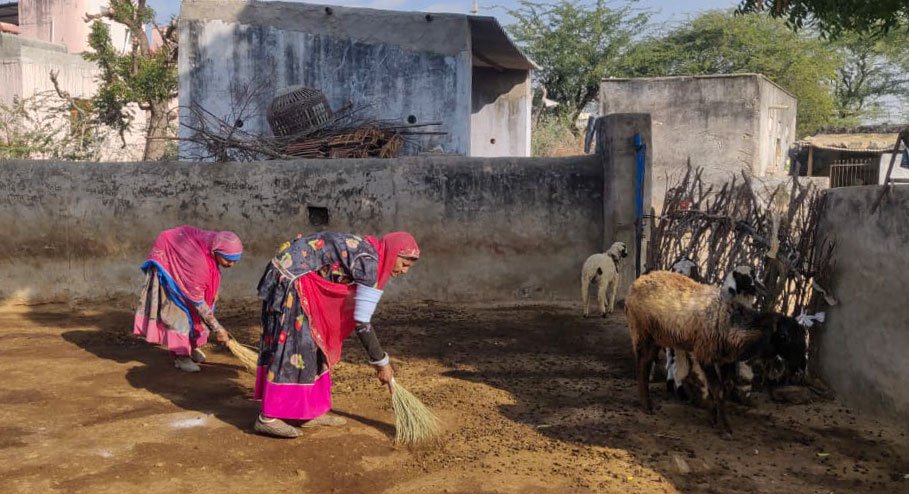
391 386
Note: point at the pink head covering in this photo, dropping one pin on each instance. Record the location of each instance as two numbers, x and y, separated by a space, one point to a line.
187 255
392 246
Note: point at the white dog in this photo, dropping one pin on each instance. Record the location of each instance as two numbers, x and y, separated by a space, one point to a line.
602 269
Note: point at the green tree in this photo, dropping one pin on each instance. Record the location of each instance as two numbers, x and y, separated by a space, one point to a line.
141 75
50 125
575 44
875 66
722 43
835 16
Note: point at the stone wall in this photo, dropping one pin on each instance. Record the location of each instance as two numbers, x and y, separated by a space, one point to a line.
490 229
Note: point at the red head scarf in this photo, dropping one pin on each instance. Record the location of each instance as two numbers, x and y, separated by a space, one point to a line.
390 247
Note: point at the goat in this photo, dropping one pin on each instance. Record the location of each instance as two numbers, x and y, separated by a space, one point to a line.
686 267
684 376
603 270
678 366
667 309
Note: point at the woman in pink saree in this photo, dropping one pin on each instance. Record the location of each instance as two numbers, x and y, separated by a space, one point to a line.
182 279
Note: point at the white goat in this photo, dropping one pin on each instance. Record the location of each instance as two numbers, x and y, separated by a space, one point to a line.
603 270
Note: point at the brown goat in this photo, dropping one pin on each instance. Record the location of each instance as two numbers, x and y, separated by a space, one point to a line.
666 309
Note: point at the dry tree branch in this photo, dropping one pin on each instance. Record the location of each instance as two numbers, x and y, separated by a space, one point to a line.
773 229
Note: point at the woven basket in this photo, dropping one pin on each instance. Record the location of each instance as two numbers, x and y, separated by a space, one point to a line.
296 109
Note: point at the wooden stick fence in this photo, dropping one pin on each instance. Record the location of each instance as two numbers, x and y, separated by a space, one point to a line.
772 229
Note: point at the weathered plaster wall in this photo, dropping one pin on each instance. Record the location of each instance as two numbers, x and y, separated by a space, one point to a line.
900 169
777 129
714 120
490 229
864 345
500 119
616 142
25 67
237 54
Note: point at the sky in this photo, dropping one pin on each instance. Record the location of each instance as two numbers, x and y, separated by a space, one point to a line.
670 11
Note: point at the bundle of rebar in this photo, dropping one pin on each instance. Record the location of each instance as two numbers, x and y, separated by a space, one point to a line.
347 133
364 142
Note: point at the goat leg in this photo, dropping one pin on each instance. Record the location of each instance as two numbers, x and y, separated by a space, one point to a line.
716 385
644 353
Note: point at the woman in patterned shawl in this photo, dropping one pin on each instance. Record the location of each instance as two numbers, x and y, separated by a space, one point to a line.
315 292
182 279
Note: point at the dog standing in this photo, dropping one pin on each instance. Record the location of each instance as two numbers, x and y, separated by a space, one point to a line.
603 270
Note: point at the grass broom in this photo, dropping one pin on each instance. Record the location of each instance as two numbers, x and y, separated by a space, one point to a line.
414 422
246 356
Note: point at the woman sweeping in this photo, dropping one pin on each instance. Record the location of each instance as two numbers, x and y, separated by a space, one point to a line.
182 278
315 292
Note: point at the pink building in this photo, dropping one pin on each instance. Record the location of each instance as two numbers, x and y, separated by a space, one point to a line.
40 36
63 22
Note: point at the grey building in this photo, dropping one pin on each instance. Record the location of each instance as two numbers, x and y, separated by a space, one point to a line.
724 123
414 67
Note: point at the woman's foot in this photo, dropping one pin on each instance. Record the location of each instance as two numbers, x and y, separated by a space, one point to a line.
325 421
186 364
275 428
197 356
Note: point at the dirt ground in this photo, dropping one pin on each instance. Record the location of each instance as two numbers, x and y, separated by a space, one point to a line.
534 398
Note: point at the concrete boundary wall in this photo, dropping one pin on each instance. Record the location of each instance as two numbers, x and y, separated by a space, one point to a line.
863 346
490 229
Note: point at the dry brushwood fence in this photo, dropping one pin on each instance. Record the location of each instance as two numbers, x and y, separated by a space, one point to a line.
773 229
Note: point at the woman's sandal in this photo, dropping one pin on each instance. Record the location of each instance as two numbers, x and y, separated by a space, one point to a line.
325 420
275 428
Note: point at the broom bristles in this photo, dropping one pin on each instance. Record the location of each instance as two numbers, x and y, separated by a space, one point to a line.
247 357
414 422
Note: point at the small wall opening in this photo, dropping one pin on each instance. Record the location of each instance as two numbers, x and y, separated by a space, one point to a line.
318 216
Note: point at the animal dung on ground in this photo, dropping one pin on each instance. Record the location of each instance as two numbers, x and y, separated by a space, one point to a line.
414 422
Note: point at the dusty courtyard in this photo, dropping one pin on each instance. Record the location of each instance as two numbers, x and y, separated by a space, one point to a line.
534 399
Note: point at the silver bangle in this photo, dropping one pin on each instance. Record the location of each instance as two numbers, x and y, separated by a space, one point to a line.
381 363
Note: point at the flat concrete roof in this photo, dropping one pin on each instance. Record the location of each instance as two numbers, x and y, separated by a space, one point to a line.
13 42
418 31
707 76
492 45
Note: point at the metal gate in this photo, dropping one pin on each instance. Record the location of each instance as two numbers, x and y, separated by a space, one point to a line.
848 173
